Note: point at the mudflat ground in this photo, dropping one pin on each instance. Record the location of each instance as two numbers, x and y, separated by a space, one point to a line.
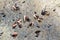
49 26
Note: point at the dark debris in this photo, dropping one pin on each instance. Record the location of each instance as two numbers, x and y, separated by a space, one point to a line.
43 12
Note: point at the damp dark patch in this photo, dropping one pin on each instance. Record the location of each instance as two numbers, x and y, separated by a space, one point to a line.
25 36
38 26
13 19
20 13
23 2
1 33
35 12
49 26
54 9
4 15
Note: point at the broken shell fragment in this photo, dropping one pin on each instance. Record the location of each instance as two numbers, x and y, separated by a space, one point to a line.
1 32
14 34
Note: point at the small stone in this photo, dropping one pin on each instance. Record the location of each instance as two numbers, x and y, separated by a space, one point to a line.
1 32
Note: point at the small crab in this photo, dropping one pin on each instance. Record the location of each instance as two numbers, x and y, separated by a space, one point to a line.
31 23
14 34
37 33
39 20
15 7
19 20
26 18
14 25
35 16
19 23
